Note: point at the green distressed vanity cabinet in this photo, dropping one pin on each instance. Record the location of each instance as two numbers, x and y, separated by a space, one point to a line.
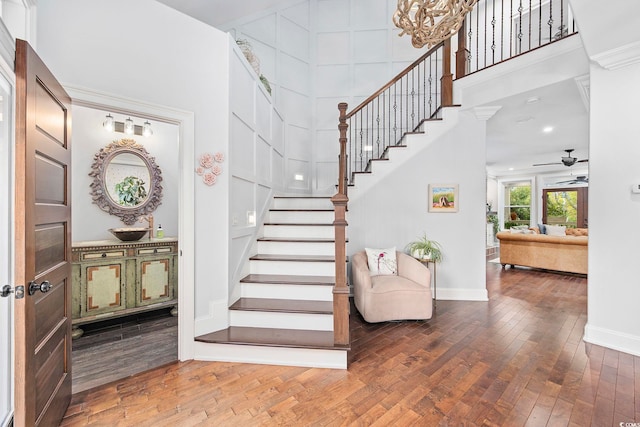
112 278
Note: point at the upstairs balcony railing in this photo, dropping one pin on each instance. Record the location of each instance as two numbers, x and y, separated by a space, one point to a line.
493 32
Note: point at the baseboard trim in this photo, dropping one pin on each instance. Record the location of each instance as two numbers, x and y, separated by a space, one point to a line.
614 340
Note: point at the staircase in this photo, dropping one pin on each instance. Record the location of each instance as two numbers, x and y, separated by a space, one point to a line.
285 313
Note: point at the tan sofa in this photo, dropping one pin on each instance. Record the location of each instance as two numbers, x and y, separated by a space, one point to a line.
406 296
561 253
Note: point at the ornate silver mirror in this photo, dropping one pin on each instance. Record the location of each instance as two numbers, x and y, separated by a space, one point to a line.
126 180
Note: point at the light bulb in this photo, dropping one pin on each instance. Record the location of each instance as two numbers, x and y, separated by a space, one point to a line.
108 123
146 129
128 126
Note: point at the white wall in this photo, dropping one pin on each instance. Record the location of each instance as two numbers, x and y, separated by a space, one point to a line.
257 164
156 55
394 211
281 39
89 221
318 53
358 51
614 164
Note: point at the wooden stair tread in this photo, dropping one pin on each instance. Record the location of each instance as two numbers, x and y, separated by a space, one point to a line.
301 210
302 197
283 305
327 224
291 338
295 258
289 279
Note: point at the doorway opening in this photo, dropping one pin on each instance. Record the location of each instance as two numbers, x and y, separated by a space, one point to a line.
142 335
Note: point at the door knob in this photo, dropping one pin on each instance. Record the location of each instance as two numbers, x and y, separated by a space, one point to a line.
6 290
42 287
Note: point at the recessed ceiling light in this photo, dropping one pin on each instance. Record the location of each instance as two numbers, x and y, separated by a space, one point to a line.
524 119
533 100
547 129
511 169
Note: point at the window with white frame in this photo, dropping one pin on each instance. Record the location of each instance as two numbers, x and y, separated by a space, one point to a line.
517 204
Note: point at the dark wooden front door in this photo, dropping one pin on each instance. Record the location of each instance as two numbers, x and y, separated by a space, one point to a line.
43 243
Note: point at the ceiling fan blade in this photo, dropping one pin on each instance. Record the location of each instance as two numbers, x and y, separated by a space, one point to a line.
582 161
547 164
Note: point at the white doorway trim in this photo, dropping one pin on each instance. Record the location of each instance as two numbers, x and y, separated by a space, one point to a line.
186 241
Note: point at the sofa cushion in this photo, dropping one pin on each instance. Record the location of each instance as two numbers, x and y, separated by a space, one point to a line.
556 230
382 261
577 231
382 284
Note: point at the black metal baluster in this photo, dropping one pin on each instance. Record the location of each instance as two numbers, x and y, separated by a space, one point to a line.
395 113
493 33
511 40
550 23
477 40
540 23
530 13
501 30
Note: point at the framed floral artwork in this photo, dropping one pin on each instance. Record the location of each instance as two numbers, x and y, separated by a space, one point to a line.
443 198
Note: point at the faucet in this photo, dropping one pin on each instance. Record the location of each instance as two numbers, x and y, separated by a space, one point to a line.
149 219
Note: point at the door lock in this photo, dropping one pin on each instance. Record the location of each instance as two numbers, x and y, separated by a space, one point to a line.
7 290
42 287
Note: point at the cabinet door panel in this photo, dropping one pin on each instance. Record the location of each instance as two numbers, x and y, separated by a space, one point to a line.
104 288
155 280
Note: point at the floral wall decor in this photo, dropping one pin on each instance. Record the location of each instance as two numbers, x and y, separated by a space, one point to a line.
209 167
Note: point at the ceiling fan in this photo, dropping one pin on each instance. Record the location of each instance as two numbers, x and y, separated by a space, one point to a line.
582 179
567 160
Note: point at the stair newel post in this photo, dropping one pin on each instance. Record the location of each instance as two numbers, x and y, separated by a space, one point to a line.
462 54
446 80
340 200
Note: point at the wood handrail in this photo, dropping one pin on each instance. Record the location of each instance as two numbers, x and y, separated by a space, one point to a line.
394 80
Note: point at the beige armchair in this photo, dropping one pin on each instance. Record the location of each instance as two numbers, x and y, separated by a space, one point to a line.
406 296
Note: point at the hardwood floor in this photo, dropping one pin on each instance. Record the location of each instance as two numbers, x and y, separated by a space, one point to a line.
116 349
516 360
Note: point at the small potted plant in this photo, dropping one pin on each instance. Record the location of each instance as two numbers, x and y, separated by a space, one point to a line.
425 249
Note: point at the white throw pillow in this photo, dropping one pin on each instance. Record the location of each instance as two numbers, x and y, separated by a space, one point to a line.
382 261
556 230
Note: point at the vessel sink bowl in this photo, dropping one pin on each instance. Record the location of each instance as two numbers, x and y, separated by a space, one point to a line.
130 234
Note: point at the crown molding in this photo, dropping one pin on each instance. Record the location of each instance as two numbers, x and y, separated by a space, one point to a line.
485 113
619 57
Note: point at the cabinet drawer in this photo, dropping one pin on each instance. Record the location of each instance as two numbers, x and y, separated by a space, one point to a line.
152 251
104 254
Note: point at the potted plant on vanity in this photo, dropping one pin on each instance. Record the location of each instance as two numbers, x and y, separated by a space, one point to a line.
425 249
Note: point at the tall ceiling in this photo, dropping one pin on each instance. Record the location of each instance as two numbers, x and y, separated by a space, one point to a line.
515 137
219 12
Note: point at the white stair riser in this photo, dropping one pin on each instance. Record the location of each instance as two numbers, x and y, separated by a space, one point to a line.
302 203
303 217
295 292
296 248
296 268
306 357
265 319
299 231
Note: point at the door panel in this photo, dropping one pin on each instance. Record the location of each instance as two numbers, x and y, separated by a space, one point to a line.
43 243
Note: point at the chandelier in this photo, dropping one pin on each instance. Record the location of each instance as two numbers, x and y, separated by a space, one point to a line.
429 22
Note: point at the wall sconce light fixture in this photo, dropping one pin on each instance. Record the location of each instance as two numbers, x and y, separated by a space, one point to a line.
128 127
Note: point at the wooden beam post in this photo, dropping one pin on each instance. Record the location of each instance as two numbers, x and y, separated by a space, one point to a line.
446 81
462 54
340 200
